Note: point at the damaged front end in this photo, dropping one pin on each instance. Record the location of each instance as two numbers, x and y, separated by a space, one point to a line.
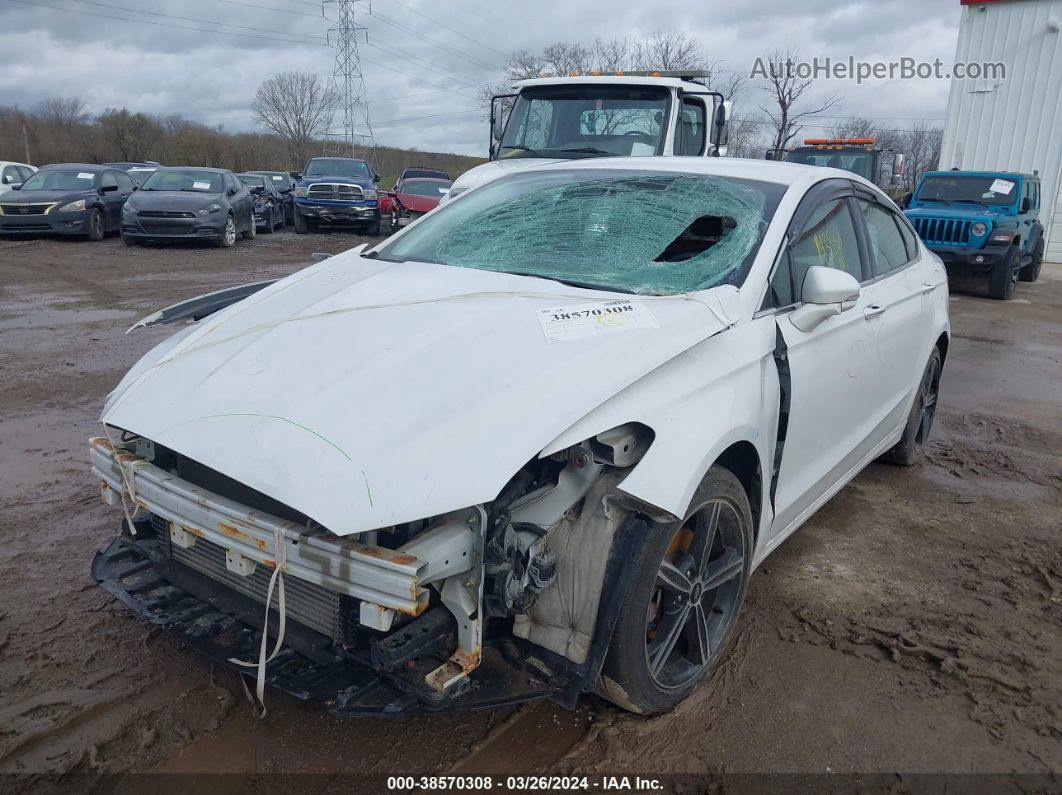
494 604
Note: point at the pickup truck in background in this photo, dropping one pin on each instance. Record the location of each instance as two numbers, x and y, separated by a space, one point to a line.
337 191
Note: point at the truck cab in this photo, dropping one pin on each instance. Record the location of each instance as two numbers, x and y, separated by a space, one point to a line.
337 191
982 223
619 115
861 156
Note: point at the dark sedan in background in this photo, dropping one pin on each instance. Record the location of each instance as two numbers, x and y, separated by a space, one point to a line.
285 185
190 203
268 203
67 199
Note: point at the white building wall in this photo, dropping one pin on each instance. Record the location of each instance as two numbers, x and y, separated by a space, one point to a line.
1013 124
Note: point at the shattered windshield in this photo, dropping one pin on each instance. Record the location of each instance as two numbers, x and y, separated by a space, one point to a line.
647 233
586 120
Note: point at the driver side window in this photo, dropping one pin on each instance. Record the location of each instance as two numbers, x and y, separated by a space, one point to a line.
691 128
828 238
108 180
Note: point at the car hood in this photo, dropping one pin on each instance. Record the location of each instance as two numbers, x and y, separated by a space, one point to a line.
364 393
418 203
172 200
963 212
39 196
488 172
336 180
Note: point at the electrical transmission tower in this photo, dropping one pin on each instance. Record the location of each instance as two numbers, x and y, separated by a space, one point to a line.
349 83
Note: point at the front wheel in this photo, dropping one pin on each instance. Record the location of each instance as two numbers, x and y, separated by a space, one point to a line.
228 234
269 226
681 607
301 227
912 445
1004 274
374 228
251 230
95 225
1031 272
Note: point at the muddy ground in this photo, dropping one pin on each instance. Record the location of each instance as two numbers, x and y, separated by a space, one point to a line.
913 625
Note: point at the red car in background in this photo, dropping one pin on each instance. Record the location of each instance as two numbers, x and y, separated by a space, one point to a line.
411 198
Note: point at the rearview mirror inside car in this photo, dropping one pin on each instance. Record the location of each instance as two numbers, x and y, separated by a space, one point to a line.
826 292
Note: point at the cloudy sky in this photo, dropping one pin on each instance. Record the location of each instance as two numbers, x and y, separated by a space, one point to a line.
424 60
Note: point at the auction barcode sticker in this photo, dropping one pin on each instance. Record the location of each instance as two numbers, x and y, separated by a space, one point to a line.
576 321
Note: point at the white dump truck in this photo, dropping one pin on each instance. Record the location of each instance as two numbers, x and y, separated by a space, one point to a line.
671 113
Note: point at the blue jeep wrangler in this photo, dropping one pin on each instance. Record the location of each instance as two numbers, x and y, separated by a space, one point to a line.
338 191
982 223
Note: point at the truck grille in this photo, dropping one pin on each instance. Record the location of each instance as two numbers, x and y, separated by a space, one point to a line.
942 231
327 190
309 604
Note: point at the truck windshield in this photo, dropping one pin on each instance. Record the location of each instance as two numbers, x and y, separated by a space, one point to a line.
587 120
861 163
968 188
336 167
640 232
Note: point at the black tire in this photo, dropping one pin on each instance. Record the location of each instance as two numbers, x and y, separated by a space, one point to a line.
301 227
129 241
912 445
268 229
642 672
1001 281
96 229
228 235
251 231
374 228
277 223
1031 272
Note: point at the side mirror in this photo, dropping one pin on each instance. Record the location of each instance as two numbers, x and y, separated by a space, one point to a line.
16 186
1026 204
109 188
375 177
905 201
826 292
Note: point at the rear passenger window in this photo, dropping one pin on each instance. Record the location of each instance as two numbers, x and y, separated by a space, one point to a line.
887 249
828 239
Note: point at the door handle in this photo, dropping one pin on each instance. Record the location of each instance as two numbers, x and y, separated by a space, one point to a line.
873 311
927 287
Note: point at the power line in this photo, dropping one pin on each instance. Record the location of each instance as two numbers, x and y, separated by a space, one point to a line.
278 10
444 47
165 24
465 82
193 19
452 30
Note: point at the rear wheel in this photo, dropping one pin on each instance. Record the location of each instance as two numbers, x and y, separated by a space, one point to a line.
95 225
1004 274
912 445
681 607
1031 272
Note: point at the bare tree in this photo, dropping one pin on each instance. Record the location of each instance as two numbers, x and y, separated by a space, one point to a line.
921 146
61 111
746 138
298 107
785 90
127 135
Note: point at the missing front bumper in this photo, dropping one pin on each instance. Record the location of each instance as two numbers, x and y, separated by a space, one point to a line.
223 624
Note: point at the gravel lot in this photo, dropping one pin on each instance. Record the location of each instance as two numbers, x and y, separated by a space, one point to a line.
913 625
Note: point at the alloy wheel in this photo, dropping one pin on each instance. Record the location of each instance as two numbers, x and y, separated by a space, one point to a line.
230 231
927 400
697 593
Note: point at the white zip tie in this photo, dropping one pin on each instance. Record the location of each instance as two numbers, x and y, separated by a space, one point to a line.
280 553
128 481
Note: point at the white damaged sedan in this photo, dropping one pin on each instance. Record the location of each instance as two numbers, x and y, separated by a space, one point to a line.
531 446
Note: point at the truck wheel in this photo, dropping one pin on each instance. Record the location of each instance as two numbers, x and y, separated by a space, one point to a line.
301 228
95 225
912 445
681 606
1031 272
374 229
1001 281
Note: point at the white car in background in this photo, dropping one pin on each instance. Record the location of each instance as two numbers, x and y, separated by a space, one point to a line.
533 444
12 174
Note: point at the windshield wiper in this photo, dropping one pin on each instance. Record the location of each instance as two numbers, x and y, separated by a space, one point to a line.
570 282
590 150
519 148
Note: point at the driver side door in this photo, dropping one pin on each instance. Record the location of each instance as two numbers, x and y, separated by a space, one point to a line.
828 374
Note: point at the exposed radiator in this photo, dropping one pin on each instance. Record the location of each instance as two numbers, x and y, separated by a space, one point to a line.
307 603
